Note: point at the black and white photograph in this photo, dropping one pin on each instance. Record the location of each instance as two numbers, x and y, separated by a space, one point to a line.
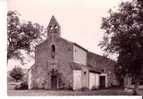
74 47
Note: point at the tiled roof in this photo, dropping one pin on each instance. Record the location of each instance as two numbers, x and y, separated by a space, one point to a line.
80 47
94 69
100 62
99 57
76 66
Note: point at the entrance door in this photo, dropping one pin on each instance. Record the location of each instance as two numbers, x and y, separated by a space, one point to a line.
54 82
102 81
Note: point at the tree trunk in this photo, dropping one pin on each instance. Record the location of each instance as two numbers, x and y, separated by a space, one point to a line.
136 86
126 82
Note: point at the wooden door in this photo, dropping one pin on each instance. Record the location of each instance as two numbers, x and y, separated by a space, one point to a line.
54 82
102 81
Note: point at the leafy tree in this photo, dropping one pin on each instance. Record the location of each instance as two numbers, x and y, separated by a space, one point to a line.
21 35
124 36
17 73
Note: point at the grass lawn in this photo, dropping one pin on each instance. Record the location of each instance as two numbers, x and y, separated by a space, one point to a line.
111 91
66 92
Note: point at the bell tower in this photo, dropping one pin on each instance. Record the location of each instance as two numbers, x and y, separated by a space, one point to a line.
53 28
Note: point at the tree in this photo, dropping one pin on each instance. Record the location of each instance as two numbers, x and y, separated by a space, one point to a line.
21 35
17 73
124 36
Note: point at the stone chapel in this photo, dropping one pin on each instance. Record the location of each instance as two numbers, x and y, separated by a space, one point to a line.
62 64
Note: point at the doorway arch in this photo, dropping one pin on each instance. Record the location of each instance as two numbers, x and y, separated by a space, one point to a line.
54 79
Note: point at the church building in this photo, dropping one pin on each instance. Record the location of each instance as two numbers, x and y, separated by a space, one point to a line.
62 64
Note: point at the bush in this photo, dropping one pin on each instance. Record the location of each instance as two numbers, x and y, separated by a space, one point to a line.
64 87
84 89
17 73
93 88
22 86
69 88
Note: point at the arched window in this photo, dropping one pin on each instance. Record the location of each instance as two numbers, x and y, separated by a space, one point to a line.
53 51
55 29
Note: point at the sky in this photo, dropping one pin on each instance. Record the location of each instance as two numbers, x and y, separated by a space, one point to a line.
80 20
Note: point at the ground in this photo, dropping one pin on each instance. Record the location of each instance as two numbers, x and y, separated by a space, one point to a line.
64 93
110 91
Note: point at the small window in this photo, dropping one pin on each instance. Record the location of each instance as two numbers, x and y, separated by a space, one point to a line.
84 73
50 27
53 51
56 27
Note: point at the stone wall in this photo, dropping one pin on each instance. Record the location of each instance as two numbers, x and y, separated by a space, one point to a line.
93 81
77 81
104 65
44 63
79 55
85 77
